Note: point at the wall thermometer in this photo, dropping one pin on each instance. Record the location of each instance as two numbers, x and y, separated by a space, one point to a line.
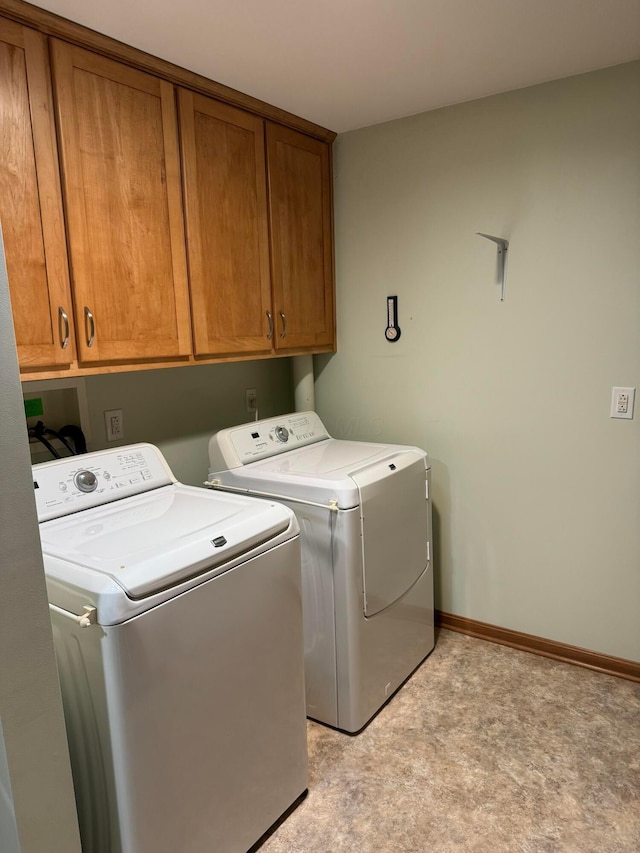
392 332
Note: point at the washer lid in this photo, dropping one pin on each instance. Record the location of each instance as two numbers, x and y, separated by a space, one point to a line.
155 540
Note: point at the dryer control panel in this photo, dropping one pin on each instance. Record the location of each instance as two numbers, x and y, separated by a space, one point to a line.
90 479
236 446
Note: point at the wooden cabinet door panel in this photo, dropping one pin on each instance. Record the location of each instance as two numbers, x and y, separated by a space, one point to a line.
227 233
301 240
121 179
31 204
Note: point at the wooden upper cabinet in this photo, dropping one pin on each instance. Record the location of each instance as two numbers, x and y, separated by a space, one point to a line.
223 164
30 203
121 181
301 239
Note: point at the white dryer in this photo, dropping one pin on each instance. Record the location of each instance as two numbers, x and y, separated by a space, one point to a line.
177 621
367 579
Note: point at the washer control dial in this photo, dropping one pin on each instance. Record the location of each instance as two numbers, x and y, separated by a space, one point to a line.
282 433
86 481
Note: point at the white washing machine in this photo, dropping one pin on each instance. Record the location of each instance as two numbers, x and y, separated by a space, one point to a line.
177 621
367 579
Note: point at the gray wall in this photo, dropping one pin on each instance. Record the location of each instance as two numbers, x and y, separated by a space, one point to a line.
9 842
180 408
36 794
536 489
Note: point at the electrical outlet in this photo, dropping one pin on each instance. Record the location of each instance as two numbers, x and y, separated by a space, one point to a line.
251 399
114 424
622 401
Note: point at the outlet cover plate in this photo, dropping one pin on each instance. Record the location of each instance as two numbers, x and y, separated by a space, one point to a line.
616 394
114 424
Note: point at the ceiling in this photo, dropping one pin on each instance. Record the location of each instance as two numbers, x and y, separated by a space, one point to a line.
346 64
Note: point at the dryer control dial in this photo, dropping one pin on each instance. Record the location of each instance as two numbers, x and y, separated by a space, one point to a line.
86 481
282 433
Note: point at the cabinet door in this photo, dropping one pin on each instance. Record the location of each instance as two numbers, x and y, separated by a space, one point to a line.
301 239
121 182
30 202
225 192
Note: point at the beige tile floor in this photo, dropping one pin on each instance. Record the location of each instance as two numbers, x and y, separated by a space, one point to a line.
484 749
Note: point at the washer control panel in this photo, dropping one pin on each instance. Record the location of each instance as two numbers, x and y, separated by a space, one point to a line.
236 446
79 482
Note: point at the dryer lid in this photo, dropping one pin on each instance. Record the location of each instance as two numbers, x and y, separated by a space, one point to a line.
158 539
395 530
331 459
320 472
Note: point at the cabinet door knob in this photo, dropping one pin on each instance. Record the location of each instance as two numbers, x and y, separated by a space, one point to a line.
63 327
284 324
270 319
89 326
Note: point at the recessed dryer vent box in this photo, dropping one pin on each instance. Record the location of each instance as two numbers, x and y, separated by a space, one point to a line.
55 402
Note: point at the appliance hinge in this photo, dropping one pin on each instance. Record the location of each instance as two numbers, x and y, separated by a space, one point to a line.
89 618
426 488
